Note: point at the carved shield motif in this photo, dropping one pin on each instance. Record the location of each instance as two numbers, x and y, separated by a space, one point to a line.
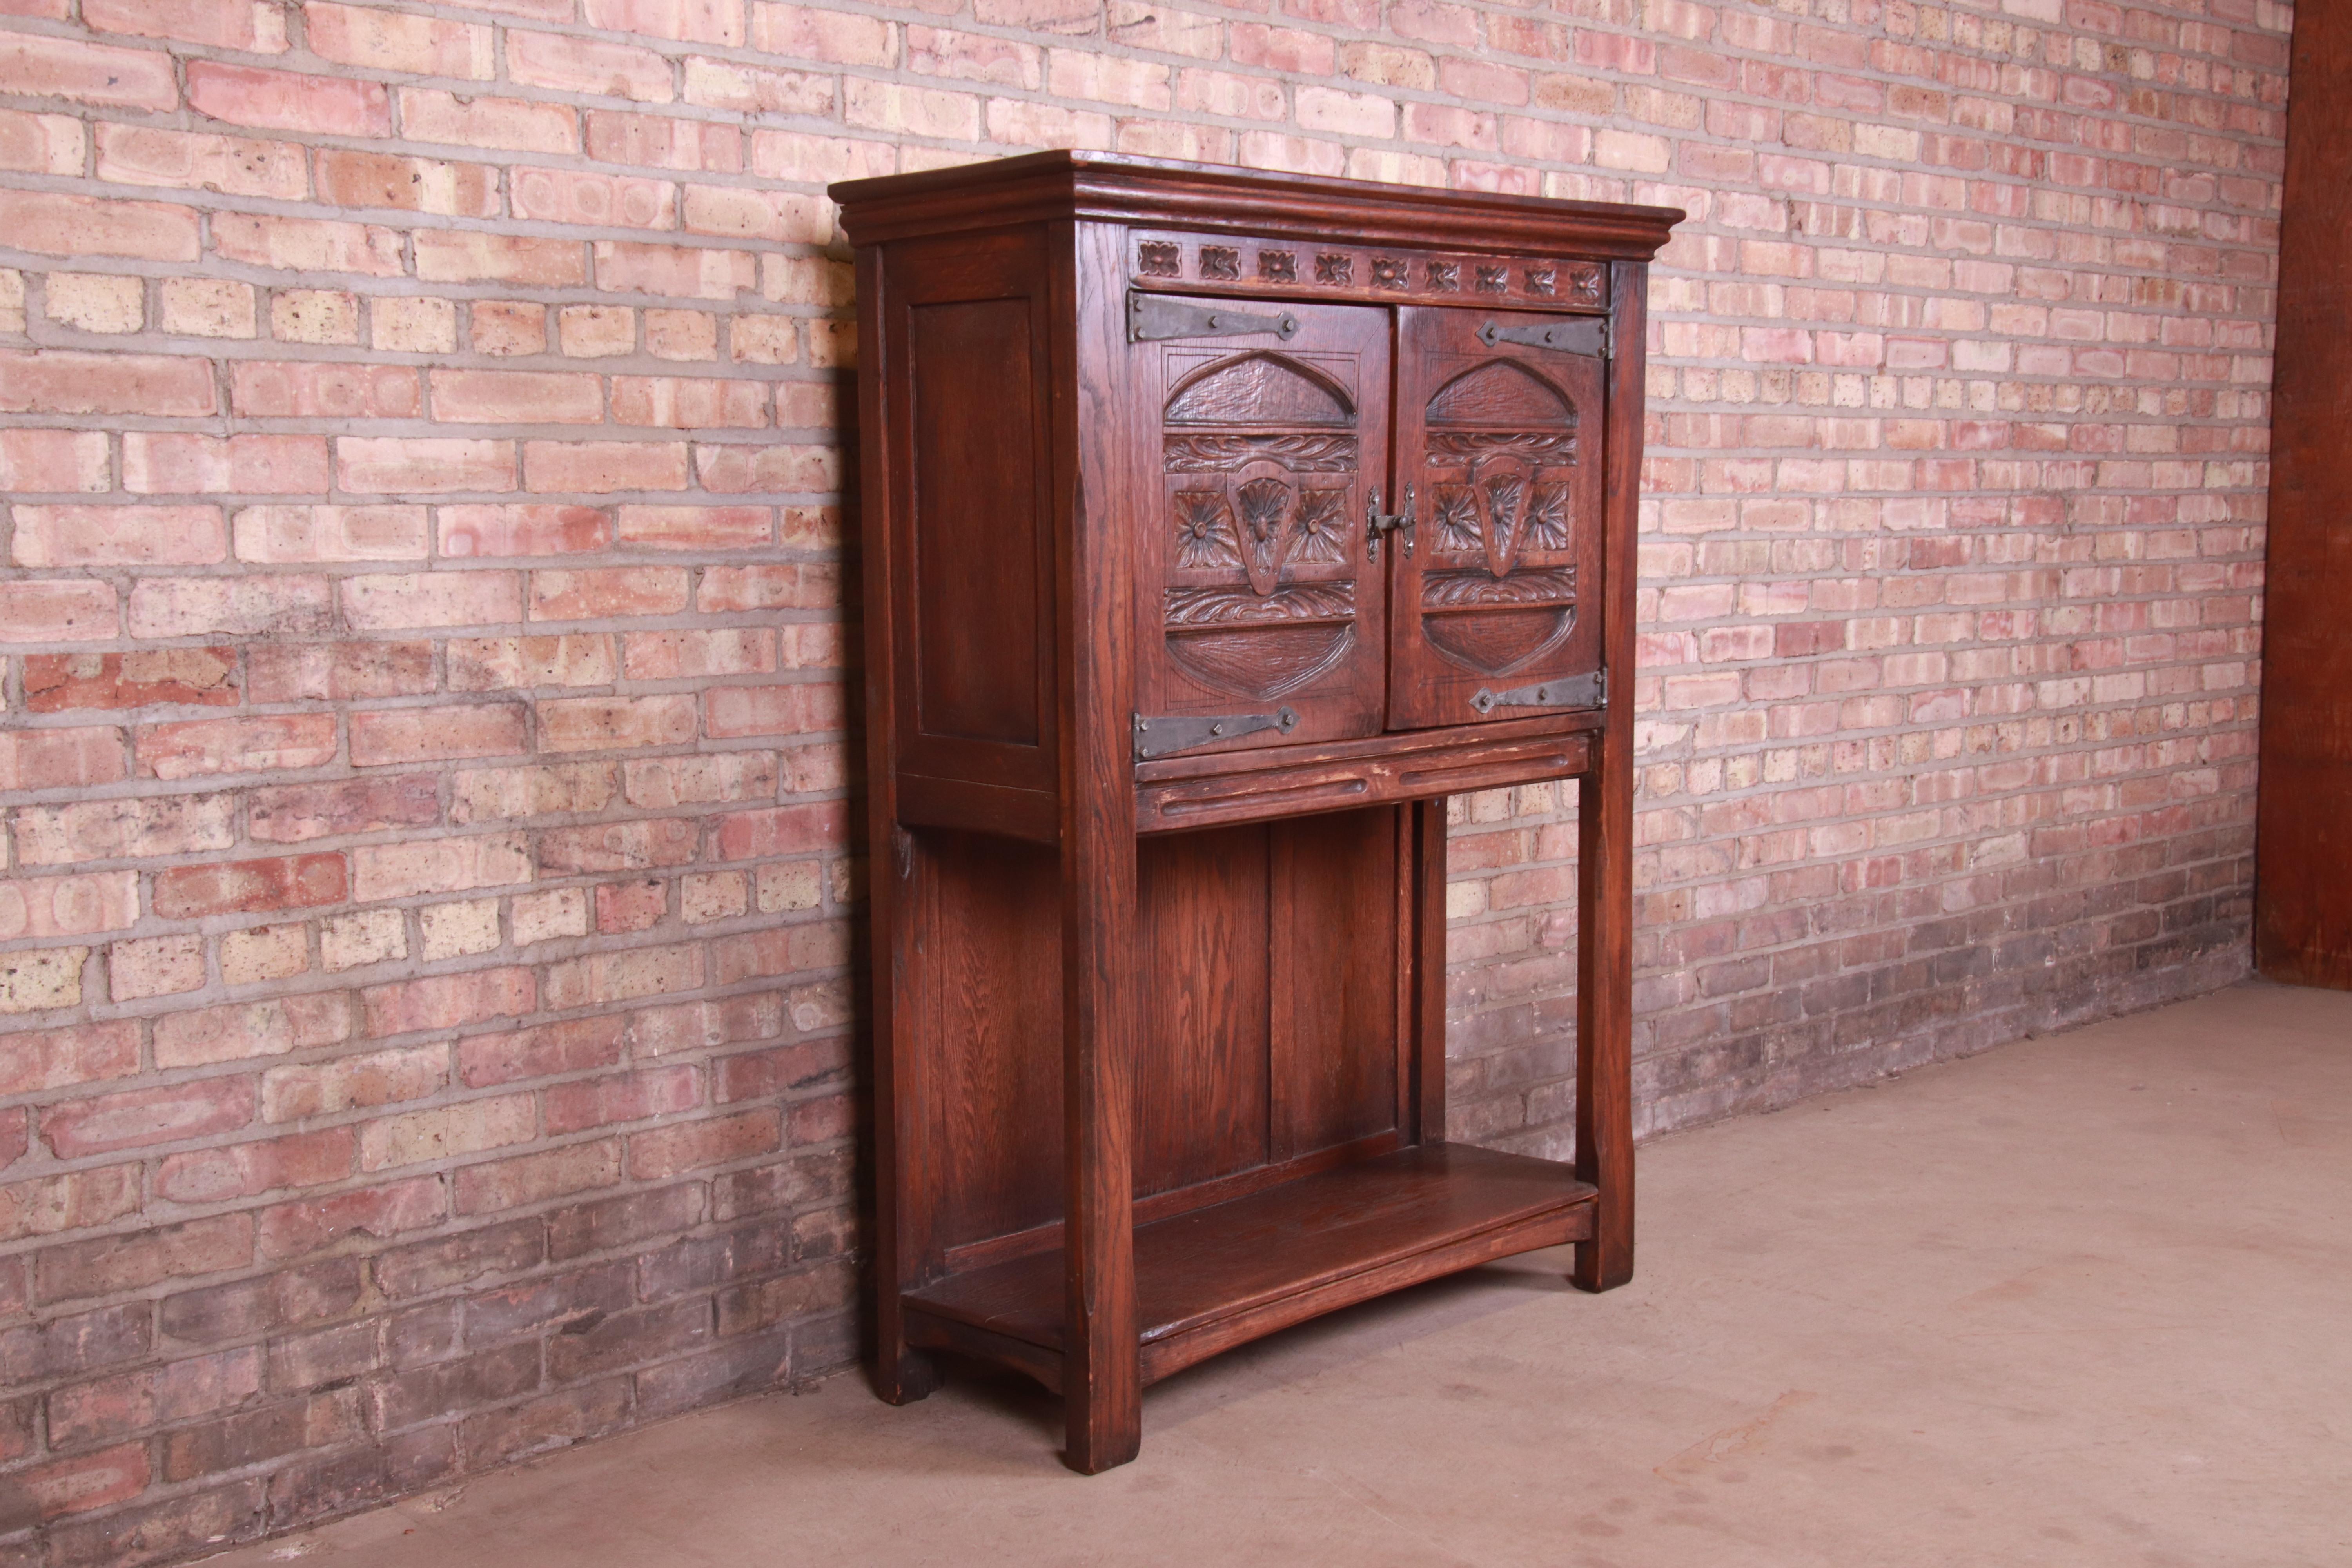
1501 591
1261 454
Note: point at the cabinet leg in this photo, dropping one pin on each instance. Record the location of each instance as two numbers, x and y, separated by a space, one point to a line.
1601 1267
904 1378
1106 1424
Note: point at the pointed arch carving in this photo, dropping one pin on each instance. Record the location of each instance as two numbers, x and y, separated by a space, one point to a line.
1259 389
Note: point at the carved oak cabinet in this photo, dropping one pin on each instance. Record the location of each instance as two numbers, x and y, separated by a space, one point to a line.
1217 526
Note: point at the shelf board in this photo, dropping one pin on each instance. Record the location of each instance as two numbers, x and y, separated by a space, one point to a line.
1215 1277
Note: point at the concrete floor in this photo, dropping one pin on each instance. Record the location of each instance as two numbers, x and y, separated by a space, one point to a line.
2083 1301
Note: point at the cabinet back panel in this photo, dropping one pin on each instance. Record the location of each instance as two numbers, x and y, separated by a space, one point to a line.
1201 1089
1270 1029
989 1027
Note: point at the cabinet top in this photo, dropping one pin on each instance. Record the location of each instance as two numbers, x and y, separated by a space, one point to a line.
1162 192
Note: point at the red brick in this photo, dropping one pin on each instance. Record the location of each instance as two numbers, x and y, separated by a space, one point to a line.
59 381
251 1437
394 41
688 21
782 830
486 1060
70 1200
58 682
517 397
250 887
687 404
120 535
618 846
589 66
598 723
351 178
496 664
59 759
797 709
680 272
423 465
664 1151
87 1413
269 389
180 464
272 605
443 865
778 587
496 1186
678 656
655 141
594 201
309 245
38 66
624 906
288 101
236 165
304 535
445 256
76 1484
249 1169
624 1096
104 1123
448 1001
257 30
437 733
205 746
61 1058
312 1225
512 123
607 592
53 907
291 814
433 599
122 830
541 528
127 1262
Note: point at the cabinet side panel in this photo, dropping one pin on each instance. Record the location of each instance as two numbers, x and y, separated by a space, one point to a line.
975 513
991 1027
1201 1073
1335 935
2303 841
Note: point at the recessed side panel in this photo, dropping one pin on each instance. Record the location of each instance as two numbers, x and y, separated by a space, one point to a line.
966 369
989 1025
1201 1072
976 519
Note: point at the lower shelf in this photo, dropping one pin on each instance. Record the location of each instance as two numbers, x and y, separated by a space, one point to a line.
1217 1277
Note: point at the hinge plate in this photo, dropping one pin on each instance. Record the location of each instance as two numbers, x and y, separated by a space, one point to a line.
1164 734
1570 691
1151 317
1570 335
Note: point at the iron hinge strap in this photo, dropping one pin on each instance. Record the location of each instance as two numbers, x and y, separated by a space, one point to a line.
1152 317
1568 334
1165 734
1572 691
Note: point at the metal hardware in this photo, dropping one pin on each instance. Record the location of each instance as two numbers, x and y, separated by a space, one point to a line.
1572 691
1376 523
1571 334
1173 732
1150 317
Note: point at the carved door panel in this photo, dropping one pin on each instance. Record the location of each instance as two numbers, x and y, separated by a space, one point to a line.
1256 595
1493 614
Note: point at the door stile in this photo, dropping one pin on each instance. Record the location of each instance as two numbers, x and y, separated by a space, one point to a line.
1604 937
1102 974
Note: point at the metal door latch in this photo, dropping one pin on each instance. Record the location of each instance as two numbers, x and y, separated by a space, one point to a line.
1171 732
1572 691
1151 317
1376 523
1572 334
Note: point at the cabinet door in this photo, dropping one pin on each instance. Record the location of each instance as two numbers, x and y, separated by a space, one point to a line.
1255 573
1495 613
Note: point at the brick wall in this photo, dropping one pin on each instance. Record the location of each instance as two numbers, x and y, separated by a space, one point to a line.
425 938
